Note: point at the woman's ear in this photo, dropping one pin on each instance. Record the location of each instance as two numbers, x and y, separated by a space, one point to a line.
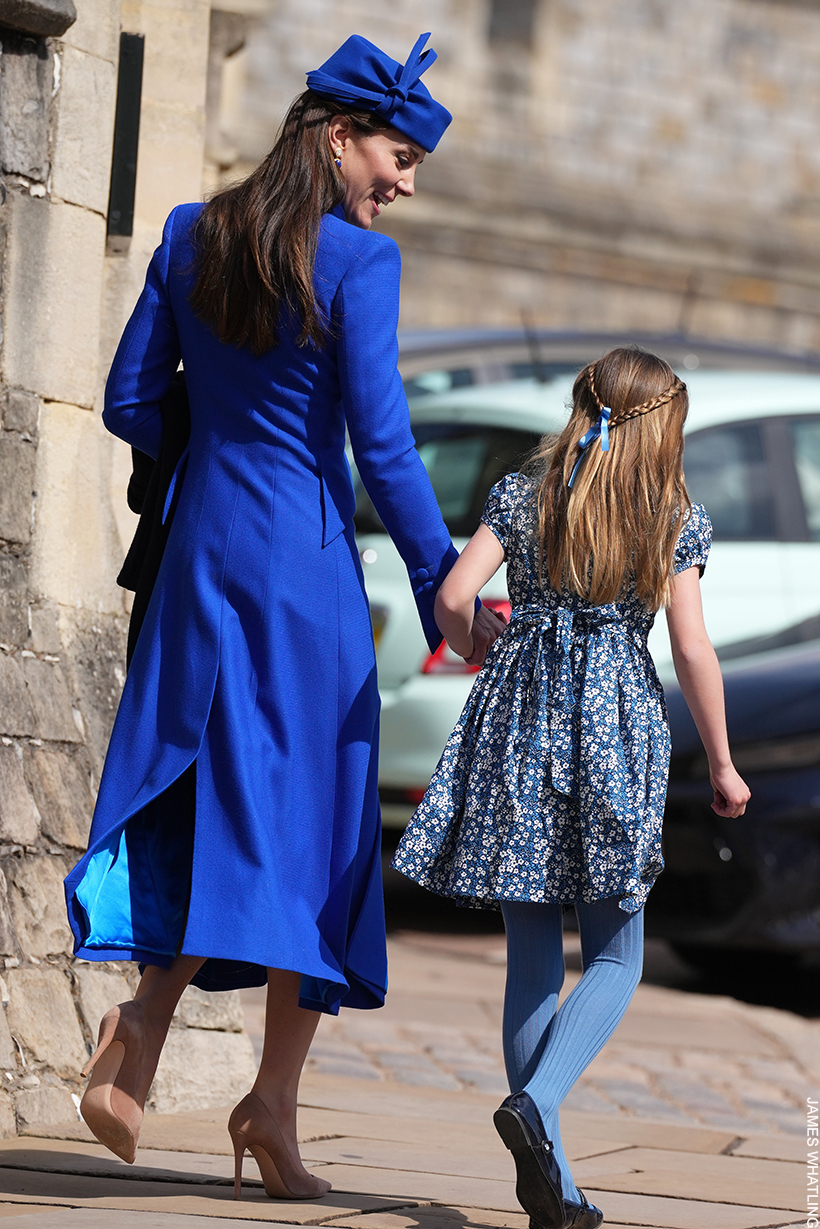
338 131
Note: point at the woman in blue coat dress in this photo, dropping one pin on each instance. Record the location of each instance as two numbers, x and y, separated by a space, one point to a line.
236 834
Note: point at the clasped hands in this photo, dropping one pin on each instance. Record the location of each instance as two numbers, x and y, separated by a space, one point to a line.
487 627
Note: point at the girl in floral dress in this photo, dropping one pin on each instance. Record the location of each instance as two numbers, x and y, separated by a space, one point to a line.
550 791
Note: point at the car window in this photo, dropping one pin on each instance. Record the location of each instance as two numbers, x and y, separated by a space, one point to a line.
463 462
438 381
806 435
726 470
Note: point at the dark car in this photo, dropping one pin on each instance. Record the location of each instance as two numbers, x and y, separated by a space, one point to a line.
736 889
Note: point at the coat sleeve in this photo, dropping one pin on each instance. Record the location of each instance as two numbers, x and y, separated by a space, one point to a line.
146 359
378 422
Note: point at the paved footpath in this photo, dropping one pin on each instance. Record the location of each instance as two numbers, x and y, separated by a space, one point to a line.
692 1119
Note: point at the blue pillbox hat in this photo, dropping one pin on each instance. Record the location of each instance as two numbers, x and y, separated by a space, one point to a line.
360 75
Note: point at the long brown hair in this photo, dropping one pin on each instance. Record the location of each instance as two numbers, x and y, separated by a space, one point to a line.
620 521
256 240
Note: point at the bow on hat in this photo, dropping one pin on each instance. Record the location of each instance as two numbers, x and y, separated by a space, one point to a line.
600 428
359 74
417 63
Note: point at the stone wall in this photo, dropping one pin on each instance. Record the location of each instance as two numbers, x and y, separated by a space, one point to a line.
62 524
613 164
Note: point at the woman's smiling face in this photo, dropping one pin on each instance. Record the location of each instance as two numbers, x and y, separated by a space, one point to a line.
376 169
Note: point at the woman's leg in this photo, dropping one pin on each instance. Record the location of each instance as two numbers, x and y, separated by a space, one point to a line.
612 953
289 1030
125 1060
151 1011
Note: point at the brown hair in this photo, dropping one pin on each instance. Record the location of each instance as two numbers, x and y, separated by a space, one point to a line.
256 240
620 521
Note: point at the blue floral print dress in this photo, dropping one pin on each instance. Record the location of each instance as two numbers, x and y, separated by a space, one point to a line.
552 785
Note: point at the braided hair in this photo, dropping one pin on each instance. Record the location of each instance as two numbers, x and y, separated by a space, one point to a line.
677 386
617 527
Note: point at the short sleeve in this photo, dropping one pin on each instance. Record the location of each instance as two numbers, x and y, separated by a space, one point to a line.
501 504
692 549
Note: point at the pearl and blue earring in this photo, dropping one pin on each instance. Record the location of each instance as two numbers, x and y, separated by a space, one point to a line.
337 154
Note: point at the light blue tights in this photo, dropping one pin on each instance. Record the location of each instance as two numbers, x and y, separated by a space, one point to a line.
546 1048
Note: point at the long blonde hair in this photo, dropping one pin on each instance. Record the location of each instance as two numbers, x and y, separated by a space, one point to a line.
620 521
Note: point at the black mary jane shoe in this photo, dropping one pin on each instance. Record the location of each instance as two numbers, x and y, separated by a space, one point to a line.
583 1215
538 1179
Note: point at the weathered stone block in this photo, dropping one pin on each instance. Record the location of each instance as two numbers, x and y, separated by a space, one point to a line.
60 784
18 814
38 905
46 1106
45 627
26 69
49 18
42 1016
13 620
201 1068
95 663
50 701
76 552
81 164
54 261
98 989
8 1054
8 1121
223 1011
22 411
17 457
97 29
9 945
16 717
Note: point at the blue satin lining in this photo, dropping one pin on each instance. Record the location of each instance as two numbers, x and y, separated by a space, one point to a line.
134 893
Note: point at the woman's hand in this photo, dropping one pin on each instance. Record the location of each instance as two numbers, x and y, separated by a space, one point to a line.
731 792
487 627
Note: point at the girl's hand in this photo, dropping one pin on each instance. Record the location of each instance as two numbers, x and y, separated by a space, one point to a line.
487 627
731 792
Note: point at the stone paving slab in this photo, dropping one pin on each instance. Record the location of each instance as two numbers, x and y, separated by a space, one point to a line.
80 1191
420 1187
85 1218
772 1148
96 1161
436 1158
717 1179
660 1213
655 1213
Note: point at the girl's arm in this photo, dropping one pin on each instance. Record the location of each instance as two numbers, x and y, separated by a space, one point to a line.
698 671
455 600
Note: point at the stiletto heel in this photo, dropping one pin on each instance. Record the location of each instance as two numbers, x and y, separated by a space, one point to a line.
112 1104
253 1129
238 1158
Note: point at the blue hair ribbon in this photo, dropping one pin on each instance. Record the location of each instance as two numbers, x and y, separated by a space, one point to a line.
600 428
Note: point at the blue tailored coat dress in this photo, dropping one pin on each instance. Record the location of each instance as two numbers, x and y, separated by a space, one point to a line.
237 816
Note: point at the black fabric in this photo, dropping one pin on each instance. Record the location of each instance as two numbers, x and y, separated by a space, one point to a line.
147 491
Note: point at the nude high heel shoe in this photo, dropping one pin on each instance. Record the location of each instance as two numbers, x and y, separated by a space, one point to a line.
253 1129
114 1098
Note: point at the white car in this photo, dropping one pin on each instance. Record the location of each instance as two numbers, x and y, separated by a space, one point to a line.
752 457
